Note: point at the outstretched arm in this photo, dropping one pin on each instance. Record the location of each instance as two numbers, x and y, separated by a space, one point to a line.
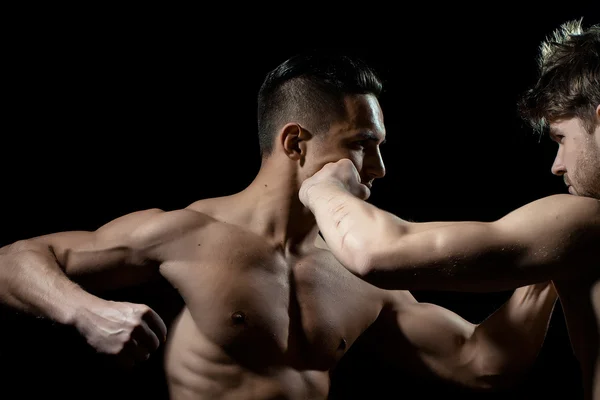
540 241
494 354
41 275
38 275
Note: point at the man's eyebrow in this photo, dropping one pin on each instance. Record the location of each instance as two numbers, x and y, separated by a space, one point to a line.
554 132
370 136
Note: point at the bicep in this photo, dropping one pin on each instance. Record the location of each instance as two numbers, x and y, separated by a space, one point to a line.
114 246
541 241
126 251
437 334
439 340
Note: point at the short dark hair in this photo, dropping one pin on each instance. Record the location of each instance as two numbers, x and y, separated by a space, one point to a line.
309 88
569 78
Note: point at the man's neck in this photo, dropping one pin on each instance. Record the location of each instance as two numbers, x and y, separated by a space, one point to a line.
274 210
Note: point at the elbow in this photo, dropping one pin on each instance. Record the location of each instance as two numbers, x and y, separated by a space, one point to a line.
31 250
494 374
21 246
358 255
494 381
368 256
15 261
369 251
23 254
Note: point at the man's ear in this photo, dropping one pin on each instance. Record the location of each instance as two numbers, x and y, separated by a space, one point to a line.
293 141
598 112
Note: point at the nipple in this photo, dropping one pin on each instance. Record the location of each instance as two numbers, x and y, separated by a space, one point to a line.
238 318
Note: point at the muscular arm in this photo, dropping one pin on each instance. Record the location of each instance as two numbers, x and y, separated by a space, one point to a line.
41 275
547 239
493 354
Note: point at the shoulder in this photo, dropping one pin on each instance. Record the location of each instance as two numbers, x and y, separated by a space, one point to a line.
213 206
176 220
561 209
154 216
568 199
153 227
565 202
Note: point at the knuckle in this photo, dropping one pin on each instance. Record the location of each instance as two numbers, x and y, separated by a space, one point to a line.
143 309
126 337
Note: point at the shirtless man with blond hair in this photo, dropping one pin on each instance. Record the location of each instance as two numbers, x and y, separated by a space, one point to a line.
268 311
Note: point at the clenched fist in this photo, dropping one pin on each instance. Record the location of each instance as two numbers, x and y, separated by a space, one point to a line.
341 174
129 331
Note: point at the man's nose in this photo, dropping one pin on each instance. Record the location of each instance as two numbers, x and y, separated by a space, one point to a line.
558 167
376 166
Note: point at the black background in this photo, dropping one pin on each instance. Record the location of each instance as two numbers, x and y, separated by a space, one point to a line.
112 111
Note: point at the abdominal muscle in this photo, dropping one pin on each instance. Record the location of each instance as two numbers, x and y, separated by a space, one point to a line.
198 369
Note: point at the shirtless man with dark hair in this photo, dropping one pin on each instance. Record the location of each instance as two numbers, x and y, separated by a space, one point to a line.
268 311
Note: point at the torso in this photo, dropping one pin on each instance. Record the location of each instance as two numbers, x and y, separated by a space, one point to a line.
580 300
257 324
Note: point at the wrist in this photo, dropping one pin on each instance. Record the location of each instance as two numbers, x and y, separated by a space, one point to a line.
76 301
320 193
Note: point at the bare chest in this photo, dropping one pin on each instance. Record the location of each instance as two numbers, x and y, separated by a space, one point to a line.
261 309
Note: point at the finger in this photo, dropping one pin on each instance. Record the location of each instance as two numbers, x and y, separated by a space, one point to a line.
126 358
134 351
355 172
364 192
156 324
345 162
144 336
139 351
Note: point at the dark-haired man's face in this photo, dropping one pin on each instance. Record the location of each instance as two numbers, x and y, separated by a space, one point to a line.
578 156
357 136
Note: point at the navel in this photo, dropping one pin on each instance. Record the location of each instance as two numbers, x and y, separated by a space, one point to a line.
343 344
238 318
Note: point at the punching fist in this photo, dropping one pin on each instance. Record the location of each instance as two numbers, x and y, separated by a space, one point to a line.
129 331
341 174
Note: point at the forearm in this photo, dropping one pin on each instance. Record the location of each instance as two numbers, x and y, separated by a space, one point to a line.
32 281
349 224
388 251
508 342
